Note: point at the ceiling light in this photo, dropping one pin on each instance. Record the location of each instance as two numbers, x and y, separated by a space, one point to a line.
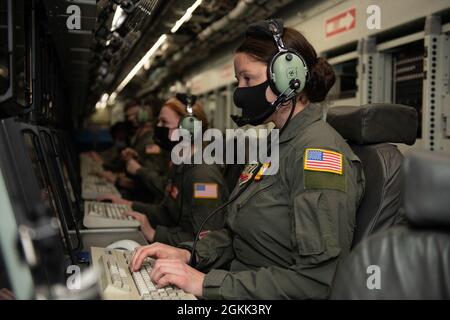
112 97
186 16
104 97
118 19
139 65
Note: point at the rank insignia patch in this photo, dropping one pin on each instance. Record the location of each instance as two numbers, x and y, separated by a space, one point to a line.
261 171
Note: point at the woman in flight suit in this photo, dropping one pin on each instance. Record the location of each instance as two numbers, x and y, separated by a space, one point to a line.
285 233
193 190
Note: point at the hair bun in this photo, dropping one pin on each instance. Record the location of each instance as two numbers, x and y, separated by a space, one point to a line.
321 80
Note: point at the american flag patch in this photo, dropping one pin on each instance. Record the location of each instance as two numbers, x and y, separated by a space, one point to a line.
323 160
205 191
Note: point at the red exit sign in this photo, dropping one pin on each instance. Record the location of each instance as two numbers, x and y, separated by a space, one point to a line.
340 23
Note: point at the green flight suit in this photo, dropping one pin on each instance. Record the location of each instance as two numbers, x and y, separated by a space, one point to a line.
141 140
154 179
111 159
285 235
183 209
153 175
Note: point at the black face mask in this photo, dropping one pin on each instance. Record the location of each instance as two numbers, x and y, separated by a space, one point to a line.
161 137
255 108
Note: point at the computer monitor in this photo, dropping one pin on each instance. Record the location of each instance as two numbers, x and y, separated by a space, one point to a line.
16 89
50 195
16 279
68 168
51 182
30 239
54 161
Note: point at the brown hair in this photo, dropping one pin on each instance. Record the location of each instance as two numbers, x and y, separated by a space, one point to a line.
131 104
180 109
322 76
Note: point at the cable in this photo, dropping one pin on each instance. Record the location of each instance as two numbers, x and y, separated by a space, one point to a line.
223 206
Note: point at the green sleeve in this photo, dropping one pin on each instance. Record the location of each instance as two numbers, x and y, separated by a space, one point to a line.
171 235
215 250
154 182
164 213
200 208
197 209
322 224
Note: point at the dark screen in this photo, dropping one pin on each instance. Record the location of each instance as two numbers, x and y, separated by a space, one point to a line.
46 193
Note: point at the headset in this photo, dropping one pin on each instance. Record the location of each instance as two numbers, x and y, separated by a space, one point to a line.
287 72
187 122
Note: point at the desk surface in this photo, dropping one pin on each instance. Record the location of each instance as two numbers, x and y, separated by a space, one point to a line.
104 237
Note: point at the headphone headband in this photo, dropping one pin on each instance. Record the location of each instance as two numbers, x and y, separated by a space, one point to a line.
277 29
187 122
287 71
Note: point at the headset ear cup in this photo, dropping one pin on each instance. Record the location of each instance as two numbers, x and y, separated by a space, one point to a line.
187 123
285 67
142 116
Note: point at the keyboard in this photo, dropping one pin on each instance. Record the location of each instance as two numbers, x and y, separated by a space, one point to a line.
88 166
118 282
93 179
90 191
107 215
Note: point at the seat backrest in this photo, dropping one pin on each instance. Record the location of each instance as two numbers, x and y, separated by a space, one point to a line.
370 130
406 262
379 208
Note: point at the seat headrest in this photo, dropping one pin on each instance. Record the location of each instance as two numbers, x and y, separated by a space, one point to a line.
375 123
427 189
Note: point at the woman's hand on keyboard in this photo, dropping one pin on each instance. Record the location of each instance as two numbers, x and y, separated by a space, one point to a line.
114 199
175 272
145 226
158 251
127 154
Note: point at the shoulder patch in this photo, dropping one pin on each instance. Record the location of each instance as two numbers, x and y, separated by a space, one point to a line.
322 160
206 191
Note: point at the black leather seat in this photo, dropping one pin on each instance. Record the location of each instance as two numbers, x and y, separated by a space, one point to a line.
413 261
370 130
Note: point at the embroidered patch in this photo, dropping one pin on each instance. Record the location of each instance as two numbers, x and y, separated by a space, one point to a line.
261 171
247 173
324 180
323 161
203 234
152 149
206 191
173 191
